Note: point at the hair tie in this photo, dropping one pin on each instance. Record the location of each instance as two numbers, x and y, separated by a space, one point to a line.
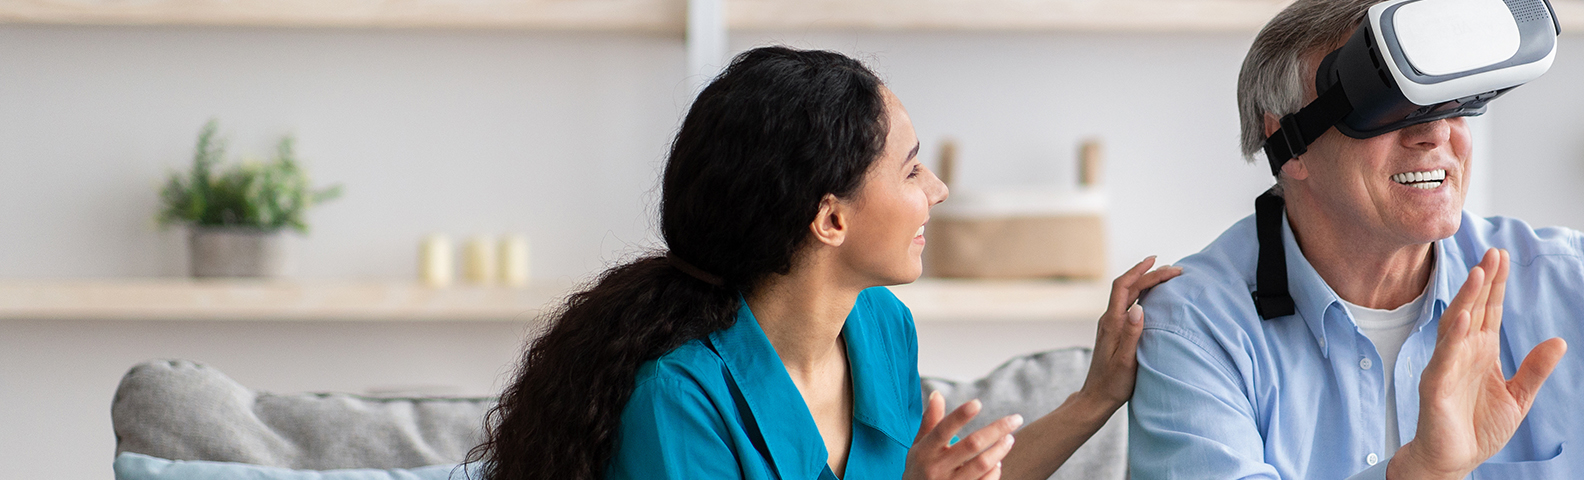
693 271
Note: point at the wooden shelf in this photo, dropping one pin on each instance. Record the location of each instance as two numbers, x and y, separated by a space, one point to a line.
669 16
584 15
315 300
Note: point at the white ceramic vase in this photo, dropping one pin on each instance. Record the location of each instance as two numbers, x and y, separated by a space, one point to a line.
237 252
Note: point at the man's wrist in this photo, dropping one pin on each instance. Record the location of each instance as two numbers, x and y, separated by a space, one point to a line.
1407 465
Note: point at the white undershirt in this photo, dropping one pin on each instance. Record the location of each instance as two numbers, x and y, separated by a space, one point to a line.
1388 329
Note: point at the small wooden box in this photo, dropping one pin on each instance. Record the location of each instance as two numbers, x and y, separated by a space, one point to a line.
1020 233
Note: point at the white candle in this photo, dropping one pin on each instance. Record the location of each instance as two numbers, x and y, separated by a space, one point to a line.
478 260
434 260
514 260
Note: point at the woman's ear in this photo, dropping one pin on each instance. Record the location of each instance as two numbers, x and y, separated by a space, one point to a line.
830 226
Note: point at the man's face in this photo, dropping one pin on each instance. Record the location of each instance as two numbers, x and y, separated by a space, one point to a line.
1386 185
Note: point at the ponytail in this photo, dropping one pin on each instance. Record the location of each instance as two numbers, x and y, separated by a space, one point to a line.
565 406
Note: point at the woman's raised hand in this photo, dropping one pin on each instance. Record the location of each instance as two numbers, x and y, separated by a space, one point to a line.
977 456
1115 363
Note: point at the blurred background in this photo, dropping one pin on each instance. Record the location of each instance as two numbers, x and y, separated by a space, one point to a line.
551 120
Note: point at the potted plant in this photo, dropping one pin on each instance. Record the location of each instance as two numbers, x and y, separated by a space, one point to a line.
237 216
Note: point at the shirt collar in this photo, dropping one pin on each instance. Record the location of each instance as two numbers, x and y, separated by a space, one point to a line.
1313 298
776 406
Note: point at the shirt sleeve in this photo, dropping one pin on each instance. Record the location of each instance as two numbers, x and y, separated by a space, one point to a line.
1189 417
671 430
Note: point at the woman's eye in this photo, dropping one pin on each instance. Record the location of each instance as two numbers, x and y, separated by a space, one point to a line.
914 173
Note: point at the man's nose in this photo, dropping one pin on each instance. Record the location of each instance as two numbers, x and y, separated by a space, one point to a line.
1428 135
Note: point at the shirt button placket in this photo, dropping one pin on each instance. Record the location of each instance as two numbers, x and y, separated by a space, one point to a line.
1364 363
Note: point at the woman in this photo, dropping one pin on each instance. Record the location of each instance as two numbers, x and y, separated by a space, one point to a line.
756 347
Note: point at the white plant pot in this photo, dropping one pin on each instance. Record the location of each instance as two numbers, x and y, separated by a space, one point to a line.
237 252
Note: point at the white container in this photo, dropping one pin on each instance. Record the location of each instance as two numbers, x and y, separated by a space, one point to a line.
478 260
435 265
513 258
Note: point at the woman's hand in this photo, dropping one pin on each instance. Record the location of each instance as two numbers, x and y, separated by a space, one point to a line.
978 456
1114 365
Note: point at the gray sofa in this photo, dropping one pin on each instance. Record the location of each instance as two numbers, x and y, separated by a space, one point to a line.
183 410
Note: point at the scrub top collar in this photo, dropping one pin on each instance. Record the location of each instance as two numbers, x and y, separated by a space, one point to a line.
795 446
1313 298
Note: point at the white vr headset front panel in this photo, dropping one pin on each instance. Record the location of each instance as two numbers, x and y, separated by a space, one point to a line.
1457 40
1456 36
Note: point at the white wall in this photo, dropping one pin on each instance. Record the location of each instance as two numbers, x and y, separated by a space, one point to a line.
560 136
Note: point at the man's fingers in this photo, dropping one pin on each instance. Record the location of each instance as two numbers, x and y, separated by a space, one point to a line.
987 462
1449 339
933 409
1464 300
1489 263
1498 292
977 443
1536 367
941 435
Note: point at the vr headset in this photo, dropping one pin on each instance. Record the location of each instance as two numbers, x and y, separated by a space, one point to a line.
1417 61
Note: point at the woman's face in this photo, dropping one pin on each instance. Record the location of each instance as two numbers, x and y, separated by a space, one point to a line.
885 241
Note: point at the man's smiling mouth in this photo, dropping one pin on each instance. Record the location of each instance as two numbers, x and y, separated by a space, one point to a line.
1427 180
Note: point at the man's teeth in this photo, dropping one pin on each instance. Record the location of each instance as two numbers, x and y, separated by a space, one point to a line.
920 232
1421 180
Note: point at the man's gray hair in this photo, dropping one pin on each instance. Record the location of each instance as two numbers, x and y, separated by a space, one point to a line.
1272 77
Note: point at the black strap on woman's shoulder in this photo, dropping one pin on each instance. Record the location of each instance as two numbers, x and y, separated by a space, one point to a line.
1271 298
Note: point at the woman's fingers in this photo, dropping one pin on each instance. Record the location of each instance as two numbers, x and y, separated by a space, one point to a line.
1155 277
977 444
1122 288
987 462
940 436
995 473
1127 345
933 409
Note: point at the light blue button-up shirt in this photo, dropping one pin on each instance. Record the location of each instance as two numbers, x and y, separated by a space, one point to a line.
726 408
1223 394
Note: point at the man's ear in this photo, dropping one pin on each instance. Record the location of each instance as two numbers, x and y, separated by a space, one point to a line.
1295 168
830 226
1271 124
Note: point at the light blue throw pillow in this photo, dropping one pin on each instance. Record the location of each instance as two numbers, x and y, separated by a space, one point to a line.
133 466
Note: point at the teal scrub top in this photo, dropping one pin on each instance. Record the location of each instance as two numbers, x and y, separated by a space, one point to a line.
724 407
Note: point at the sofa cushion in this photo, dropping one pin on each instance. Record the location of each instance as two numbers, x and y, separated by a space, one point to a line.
1034 385
183 410
134 466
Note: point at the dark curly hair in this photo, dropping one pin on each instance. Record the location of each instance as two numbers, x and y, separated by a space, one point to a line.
760 147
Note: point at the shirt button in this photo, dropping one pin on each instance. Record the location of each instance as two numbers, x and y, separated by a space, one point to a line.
1372 459
1364 363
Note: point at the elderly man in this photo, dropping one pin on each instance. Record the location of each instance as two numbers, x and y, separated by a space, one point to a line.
1406 318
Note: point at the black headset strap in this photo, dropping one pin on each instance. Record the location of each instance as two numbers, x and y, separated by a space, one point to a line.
1300 129
1271 298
